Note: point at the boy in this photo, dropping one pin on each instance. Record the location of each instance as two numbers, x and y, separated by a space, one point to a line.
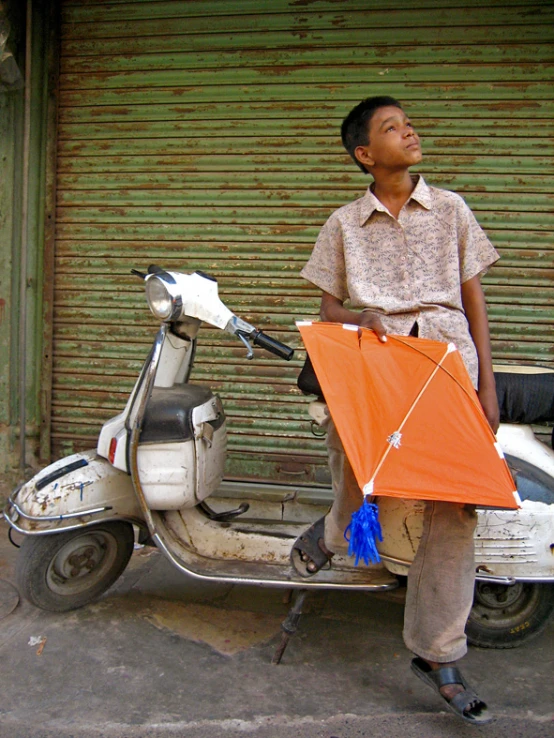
408 258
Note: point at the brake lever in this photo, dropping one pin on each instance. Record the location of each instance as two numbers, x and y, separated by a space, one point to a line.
250 352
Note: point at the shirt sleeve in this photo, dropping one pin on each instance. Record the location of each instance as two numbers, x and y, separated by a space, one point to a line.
477 253
326 266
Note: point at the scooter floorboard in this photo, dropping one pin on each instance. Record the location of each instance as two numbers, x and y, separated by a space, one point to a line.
229 557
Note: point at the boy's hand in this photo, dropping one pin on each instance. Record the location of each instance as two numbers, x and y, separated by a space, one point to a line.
373 321
332 311
489 403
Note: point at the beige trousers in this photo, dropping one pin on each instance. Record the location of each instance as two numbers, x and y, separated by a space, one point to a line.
441 579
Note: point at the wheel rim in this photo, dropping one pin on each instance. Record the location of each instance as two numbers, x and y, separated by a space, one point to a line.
82 563
500 606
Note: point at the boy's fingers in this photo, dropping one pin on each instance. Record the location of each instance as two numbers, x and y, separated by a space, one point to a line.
373 321
381 334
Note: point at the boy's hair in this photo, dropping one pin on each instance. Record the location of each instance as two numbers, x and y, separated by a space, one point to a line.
354 130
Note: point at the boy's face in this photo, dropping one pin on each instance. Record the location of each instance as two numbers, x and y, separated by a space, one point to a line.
393 142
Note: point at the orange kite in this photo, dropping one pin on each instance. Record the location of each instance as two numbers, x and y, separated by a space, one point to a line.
408 416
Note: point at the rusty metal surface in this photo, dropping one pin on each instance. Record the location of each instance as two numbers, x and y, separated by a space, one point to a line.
204 135
50 191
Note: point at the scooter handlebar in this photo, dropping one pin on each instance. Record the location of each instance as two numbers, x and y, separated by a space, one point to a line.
270 344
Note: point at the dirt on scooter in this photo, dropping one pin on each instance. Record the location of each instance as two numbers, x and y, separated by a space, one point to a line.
157 463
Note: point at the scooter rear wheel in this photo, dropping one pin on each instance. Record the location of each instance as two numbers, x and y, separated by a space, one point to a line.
67 570
508 616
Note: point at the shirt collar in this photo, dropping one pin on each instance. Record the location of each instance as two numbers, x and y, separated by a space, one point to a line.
369 203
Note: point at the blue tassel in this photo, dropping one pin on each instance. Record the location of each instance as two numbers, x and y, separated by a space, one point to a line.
363 531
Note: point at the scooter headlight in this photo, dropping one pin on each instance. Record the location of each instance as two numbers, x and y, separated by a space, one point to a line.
163 304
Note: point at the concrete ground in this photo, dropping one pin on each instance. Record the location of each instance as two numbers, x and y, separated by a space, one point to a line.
161 655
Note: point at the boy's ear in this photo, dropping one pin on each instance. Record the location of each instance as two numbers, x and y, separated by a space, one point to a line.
363 155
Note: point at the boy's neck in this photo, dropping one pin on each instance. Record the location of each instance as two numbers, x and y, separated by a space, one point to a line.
393 189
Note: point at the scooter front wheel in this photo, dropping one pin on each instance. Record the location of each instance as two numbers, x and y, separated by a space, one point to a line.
508 616
65 571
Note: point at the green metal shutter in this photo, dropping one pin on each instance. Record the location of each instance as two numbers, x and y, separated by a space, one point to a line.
203 134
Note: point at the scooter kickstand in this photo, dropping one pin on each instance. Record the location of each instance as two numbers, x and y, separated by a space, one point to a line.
290 625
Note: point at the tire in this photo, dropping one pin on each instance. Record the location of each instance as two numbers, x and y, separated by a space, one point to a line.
509 616
65 571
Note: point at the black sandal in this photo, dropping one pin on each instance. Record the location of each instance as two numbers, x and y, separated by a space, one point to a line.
309 550
465 704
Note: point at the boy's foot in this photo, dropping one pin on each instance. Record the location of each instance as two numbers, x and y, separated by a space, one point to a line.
447 680
309 553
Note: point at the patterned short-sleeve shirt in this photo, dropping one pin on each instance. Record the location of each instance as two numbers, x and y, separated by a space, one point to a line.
407 269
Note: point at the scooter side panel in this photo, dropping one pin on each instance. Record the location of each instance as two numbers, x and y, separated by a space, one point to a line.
516 543
507 543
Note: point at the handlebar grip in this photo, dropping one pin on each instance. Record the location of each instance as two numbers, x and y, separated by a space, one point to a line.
270 344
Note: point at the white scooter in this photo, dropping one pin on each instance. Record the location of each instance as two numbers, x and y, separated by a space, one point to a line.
159 460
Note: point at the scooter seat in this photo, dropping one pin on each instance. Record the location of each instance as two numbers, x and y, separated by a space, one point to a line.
168 416
525 396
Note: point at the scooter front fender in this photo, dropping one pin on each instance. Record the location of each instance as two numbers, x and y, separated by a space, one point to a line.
79 490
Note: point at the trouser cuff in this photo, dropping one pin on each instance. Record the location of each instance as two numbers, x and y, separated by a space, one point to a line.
441 658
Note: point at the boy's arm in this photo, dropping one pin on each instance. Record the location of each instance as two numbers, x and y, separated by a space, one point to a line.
332 311
473 300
